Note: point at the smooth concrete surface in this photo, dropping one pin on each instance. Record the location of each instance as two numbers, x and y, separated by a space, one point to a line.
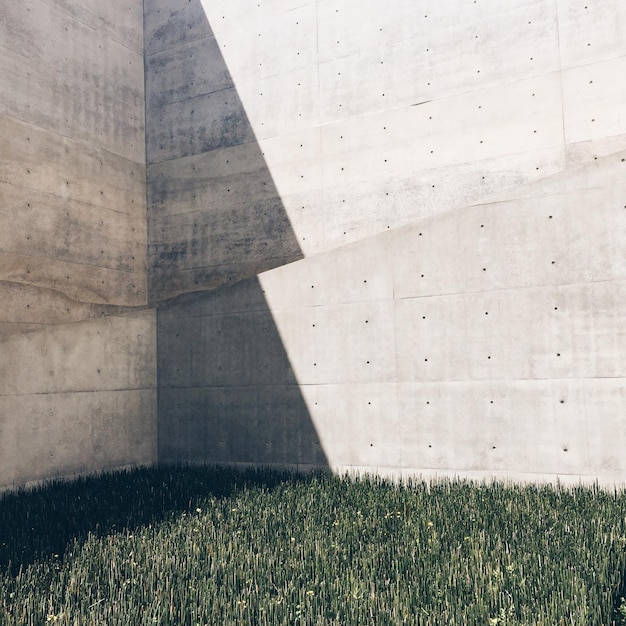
78 398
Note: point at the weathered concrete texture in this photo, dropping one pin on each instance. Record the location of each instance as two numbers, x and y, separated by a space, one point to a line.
227 392
367 118
74 397
63 74
215 214
78 398
25 307
72 164
453 174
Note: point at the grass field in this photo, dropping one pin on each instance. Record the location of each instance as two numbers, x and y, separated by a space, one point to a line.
189 546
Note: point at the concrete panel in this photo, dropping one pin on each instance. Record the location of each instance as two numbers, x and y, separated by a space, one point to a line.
370 437
69 433
173 76
208 122
44 225
168 24
509 119
72 170
45 161
359 273
569 332
498 371
547 242
120 21
80 282
591 32
26 307
432 55
73 79
570 427
109 353
592 101
397 202
78 398
405 111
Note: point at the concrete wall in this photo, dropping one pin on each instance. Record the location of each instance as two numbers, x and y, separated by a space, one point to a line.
453 174
72 173
227 390
380 236
77 387
78 398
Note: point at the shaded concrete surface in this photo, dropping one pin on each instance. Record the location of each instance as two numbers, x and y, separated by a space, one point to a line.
77 378
215 215
78 398
227 391
72 166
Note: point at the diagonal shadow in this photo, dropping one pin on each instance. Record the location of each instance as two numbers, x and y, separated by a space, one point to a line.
44 522
214 213
227 392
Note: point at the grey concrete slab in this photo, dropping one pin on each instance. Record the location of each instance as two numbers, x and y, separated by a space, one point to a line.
76 82
26 307
84 283
78 398
477 336
42 224
229 223
122 22
561 437
60 435
371 435
168 23
96 355
45 161
172 76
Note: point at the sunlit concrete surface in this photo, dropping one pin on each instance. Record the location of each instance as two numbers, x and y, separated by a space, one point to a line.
452 173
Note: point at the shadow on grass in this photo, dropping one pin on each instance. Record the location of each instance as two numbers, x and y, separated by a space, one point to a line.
44 522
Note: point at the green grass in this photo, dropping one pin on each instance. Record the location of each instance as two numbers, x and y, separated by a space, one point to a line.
188 546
